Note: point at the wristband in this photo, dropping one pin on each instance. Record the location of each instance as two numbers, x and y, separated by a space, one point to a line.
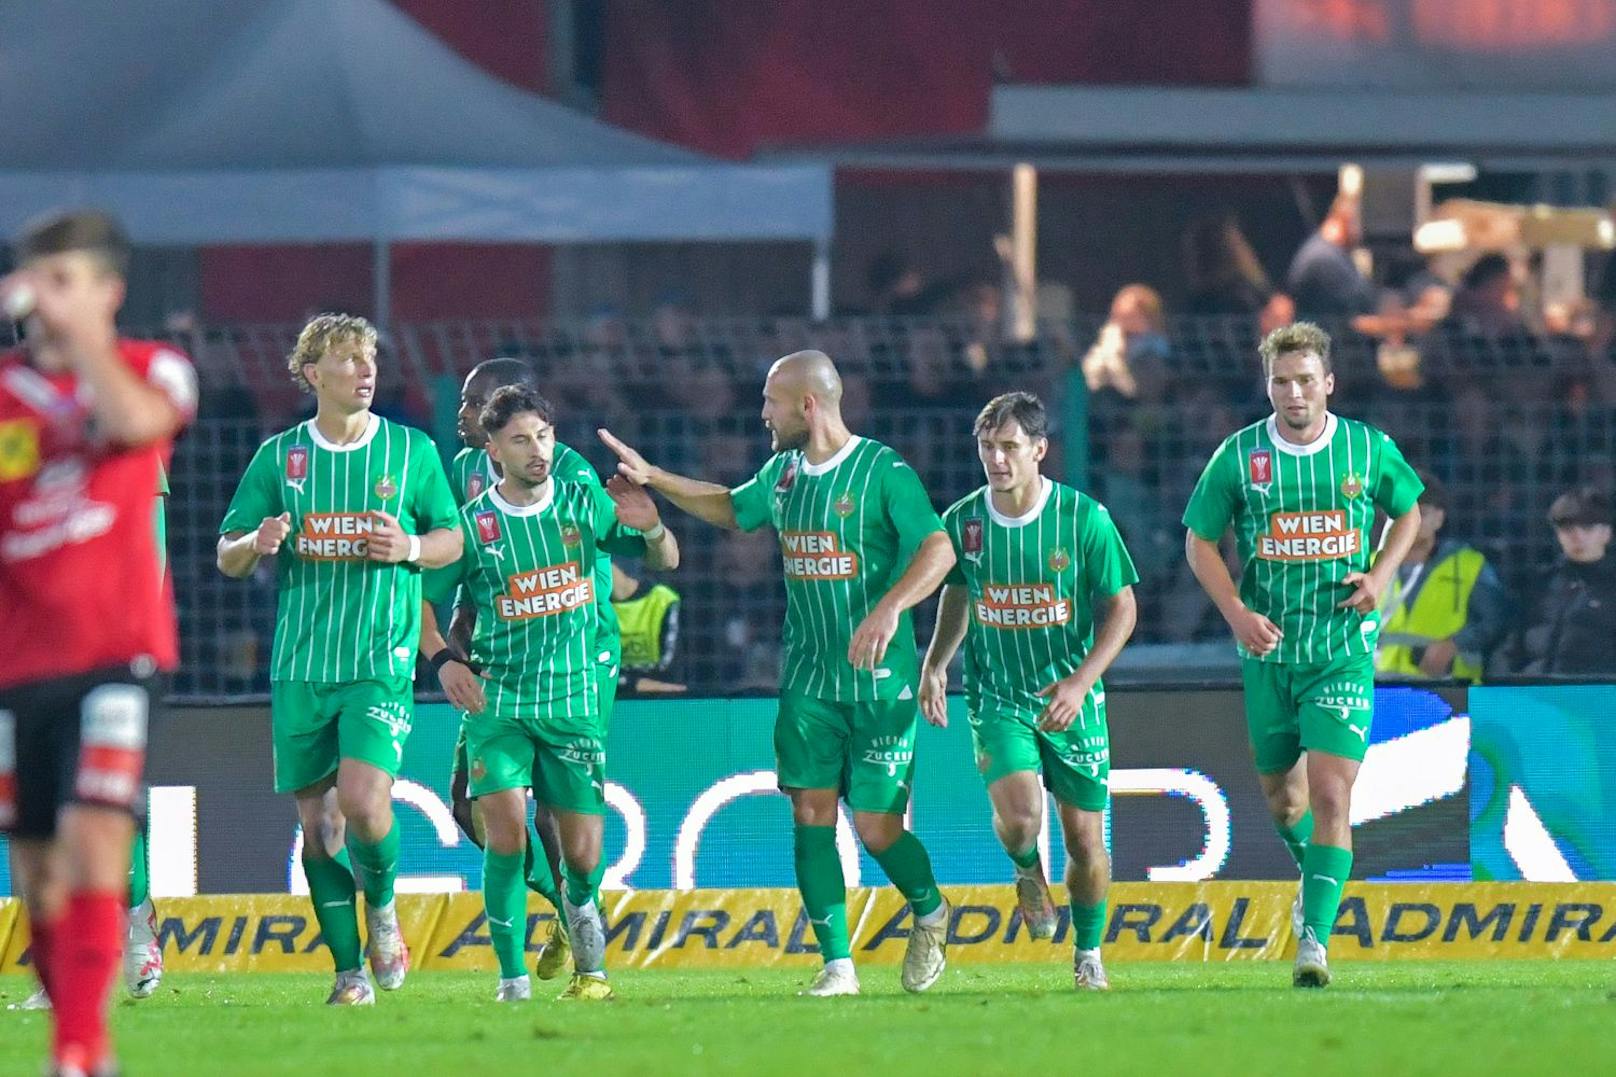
443 658
656 533
414 553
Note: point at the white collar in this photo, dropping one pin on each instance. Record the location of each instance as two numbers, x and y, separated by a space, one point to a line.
1027 517
841 454
371 427
1293 449
544 502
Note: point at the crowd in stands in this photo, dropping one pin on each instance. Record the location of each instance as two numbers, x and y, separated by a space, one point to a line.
1510 408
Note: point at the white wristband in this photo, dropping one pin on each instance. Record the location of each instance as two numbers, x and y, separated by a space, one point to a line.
656 533
414 554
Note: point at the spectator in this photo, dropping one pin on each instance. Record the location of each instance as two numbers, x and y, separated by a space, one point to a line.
1224 274
1573 623
1135 333
649 617
1323 279
1488 302
897 287
1447 610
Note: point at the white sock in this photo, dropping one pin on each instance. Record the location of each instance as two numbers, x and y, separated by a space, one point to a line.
935 917
1084 955
839 964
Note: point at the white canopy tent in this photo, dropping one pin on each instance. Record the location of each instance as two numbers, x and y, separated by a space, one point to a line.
308 121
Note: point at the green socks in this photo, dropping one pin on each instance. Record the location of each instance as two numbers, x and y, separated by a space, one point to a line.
824 891
1325 869
1026 860
379 864
331 889
1296 837
907 865
1088 925
505 902
536 870
139 873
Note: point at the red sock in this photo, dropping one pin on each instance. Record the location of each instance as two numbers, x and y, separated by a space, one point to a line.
85 949
41 936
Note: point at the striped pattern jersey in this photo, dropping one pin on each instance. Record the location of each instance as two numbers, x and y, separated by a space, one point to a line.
472 471
342 618
1032 581
529 571
1302 516
848 529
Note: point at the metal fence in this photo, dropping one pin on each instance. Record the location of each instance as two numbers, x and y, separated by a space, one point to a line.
1506 422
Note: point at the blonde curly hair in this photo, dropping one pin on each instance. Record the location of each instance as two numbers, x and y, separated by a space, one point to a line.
318 336
1303 337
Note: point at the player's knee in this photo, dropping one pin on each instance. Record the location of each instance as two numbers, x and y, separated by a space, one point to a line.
1287 806
1332 802
369 817
878 831
1019 829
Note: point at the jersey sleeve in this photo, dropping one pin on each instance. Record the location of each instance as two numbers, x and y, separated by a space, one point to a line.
1397 487
907 505
751 498
171 373
1107 568
1212 504
611 534
432 501
258 496
956 575
441 584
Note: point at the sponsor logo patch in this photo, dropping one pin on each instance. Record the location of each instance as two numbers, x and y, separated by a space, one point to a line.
335 536
488 527
1308 536
1260 466
816 555
971 538
545 592
19 450
297 463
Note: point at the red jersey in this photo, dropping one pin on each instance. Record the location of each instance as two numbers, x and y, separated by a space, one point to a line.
81 586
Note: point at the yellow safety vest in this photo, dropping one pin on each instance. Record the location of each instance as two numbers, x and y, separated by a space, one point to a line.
1438 612
640 620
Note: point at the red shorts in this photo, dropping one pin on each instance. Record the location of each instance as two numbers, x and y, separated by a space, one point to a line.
73 740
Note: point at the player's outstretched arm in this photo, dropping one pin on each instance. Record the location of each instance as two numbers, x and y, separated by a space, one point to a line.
704 500
926 571
1255 632
636 509
946 637
239 551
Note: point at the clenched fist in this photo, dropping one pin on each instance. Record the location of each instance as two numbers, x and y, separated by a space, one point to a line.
271 533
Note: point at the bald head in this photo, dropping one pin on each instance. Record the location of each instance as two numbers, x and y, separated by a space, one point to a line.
808 373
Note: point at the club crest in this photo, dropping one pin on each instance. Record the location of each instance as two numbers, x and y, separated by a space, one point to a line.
971 538
1352 485
488 527
844 505
570 535
1260 466
1059 559
386 488
479 770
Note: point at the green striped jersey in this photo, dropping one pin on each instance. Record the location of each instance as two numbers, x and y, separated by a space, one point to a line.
472 471
1302 516
340 617
1031 582
529 571
848 529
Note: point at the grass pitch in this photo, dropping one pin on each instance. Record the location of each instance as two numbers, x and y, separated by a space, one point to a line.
1525 1017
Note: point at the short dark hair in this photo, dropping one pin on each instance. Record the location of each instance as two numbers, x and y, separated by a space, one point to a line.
505 370
1435 495
1025 408
1485 270
88 230
1584 506
1302 337
508 402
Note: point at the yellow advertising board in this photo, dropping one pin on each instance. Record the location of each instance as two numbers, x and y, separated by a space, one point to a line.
1213 921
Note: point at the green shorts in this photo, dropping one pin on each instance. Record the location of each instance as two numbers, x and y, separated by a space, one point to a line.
563 760
865 751
459 783
316 725
1076 763
1321 707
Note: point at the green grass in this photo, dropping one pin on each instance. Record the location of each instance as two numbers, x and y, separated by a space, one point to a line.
1378 1020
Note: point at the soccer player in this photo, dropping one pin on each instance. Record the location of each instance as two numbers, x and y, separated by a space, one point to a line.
532 706
862 546
86 421
1037 561
351 507
1301 488
471 472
